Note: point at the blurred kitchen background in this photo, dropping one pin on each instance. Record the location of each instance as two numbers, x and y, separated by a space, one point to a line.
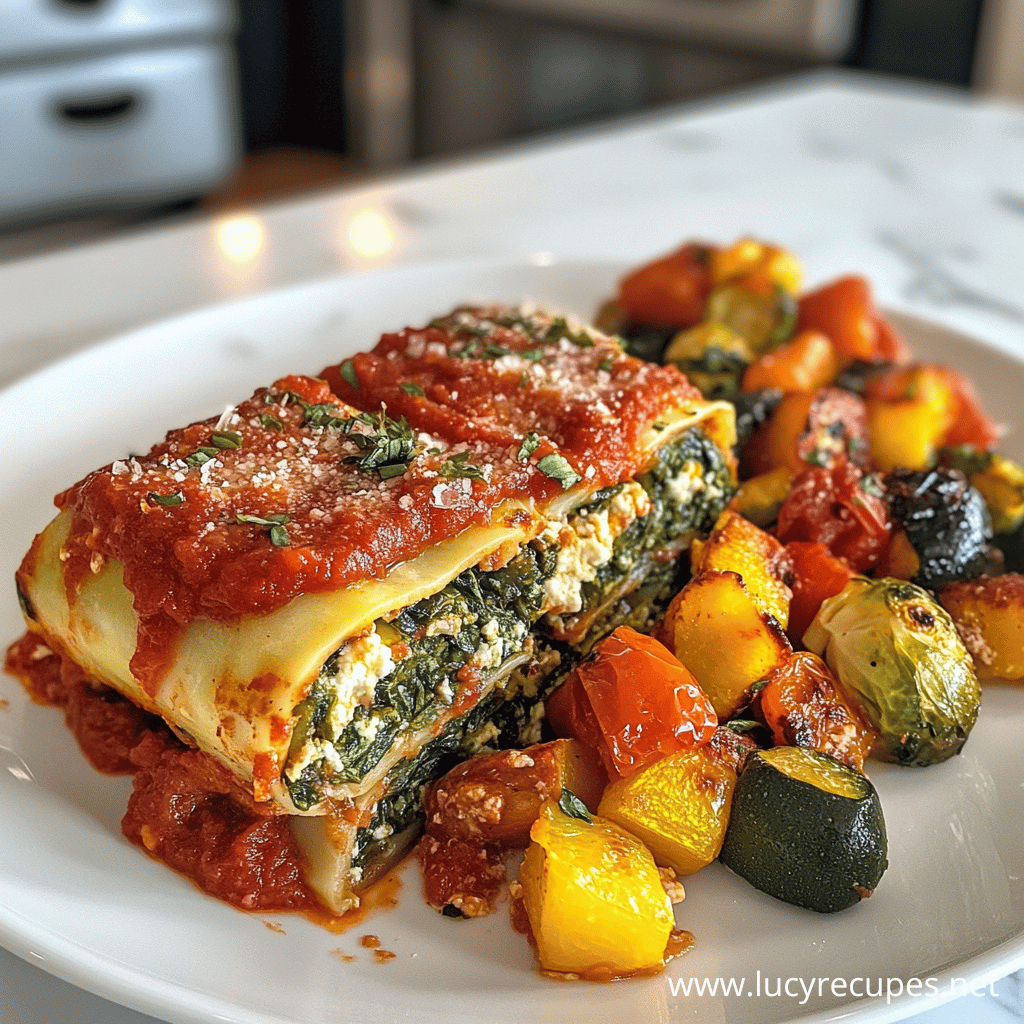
116 112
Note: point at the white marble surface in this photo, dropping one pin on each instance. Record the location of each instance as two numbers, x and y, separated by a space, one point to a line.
921 190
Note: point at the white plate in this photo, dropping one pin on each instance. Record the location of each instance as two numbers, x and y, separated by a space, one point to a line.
78 900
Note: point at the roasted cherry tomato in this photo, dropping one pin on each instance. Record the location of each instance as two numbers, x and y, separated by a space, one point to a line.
670 292
839 507
633 702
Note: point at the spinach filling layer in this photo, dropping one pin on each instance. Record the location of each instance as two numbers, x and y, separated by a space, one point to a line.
689 483
493 611
485 618
501 720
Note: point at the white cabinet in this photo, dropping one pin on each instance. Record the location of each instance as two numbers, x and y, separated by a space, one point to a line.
30 28
113 103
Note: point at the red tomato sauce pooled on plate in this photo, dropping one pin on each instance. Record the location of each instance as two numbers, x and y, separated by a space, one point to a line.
186 809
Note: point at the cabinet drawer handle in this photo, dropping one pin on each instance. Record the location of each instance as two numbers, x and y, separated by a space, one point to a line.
94 111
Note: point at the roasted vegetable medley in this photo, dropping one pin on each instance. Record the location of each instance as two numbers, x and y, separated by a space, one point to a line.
843 607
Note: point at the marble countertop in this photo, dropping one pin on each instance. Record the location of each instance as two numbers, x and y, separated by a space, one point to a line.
920 189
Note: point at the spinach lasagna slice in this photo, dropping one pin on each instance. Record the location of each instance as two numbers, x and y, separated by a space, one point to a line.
341 585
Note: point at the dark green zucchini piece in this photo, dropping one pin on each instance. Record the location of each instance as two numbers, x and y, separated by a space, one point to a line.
806 829
946 522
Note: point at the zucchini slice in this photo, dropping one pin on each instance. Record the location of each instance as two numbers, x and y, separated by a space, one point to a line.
806 829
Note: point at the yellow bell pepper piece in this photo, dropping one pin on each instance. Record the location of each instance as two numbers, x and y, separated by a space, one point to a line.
907 433
1002 487
760 498
594 897
679 806
989 615
749 256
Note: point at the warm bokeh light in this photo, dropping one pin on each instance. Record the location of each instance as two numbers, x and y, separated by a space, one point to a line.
240 238
370 233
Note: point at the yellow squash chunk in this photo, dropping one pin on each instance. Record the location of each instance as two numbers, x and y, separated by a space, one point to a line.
679 807
716 630
989 616
1002 486
739 545
760 498
594 897
908 432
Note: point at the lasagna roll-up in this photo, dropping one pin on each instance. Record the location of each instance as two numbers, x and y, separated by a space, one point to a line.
344 583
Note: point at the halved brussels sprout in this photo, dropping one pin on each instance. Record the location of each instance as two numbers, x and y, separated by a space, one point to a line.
897 654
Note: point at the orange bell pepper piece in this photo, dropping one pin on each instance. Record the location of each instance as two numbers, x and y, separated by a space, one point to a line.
803 705
971 424
817 576
806 363
843 310
670 292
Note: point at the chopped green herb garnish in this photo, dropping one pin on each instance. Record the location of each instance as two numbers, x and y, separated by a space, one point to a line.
457 465
322 417
556 467
658 426
854 445
871 485
347 369
570 804
745 725
606 364
413 389
226 439
389 445
535 355
524 379
816 457
202 455
271 422
476 349
167 500
560 329
273 523
530 444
